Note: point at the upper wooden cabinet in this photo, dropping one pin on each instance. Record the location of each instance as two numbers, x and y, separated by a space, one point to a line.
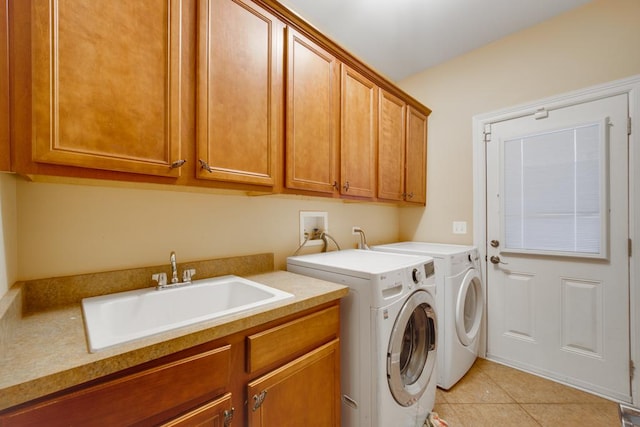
402 143
358 141
313 115
245 93
391 147
106 84
5 152
239 92
416 174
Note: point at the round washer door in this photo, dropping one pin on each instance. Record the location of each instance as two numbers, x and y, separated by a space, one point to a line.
469 307
411 356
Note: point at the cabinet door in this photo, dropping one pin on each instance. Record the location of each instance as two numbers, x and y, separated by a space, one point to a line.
391 147
106 84
358 137
416 181
138 398
218 413
305 392
5 159
239 92
313 115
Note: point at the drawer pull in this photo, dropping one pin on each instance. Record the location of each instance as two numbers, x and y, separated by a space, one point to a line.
204 165
177 164
258 399
228 416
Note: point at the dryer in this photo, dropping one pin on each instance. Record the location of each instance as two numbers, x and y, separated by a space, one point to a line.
459 302
388 331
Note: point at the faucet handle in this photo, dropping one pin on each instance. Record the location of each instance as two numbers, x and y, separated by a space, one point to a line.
187 274
160 278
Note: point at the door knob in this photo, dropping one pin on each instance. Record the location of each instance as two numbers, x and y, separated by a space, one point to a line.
494 243
496 260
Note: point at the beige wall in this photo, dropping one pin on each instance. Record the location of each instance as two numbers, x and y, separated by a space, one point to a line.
66 229
593 44
8 232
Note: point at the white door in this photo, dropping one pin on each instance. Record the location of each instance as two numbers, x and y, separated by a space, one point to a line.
557 242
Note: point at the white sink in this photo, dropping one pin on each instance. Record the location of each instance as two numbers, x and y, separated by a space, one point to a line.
126 316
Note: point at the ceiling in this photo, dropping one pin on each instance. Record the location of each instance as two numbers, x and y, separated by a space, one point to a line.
402 37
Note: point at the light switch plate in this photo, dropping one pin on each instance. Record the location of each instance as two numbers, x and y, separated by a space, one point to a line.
459 227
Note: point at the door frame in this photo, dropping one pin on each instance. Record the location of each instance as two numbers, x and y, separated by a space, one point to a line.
629 86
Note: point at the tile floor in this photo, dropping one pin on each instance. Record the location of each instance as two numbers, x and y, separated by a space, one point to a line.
496 395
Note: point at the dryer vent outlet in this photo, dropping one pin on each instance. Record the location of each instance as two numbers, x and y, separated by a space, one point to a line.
312 225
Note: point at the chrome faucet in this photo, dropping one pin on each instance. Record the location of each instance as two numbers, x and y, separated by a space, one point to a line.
363 239
174 268
161 278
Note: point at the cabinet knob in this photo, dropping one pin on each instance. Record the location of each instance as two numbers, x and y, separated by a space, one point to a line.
335 185
204 165
177 164
258 399
346 186
228 416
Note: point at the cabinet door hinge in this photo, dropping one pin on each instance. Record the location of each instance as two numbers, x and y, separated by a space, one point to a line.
630 247
632 369
628 125
487 132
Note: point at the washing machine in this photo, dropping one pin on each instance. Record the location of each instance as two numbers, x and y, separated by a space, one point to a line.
459 302
388 334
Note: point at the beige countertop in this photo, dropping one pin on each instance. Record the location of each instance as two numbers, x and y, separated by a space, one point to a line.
45 350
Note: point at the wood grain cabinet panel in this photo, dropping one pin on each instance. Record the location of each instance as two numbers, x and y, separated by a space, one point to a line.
133 398
358 142
305 392
106 84
218 413
391 147
416 174
313 115
277 344
5 151
239 96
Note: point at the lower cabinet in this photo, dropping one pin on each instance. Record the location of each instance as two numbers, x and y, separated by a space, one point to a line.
218 413
284 373
143 398
304 392
5 154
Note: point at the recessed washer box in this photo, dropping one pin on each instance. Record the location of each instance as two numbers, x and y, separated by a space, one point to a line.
313 223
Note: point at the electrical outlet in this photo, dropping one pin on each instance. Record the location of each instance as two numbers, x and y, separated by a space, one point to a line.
459 227
313 224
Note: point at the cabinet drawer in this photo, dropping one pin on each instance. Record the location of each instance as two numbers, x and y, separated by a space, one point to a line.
133 398
217 413
291 339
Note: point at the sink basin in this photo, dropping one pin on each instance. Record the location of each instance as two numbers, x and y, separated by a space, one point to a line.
126 316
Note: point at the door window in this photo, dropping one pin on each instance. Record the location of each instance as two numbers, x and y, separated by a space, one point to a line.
555 192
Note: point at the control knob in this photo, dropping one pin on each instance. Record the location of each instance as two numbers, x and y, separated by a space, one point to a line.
416 275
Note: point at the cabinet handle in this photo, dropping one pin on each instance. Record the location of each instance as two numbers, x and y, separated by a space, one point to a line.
335 185
258 399
410 195
204 165
346 186
228 416
177 164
